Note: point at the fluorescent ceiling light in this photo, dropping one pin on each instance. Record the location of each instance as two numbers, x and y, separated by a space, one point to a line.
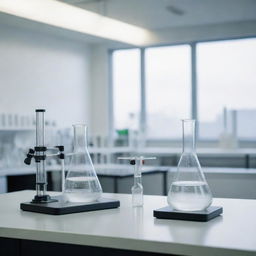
73 18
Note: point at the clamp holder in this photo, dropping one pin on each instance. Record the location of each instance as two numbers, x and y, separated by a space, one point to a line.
30 155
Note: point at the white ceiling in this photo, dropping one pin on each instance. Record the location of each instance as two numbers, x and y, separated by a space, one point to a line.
153 14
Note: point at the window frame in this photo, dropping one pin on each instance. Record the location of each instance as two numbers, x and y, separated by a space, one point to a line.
193 93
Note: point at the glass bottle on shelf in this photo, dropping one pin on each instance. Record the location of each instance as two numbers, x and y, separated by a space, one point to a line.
81 184
189 190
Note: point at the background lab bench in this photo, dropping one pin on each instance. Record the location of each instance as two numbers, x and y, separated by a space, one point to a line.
118 178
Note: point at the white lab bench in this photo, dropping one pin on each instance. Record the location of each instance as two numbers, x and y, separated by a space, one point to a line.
126 230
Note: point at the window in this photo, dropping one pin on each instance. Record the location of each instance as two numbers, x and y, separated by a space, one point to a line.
224 98
168 76
126 88
227 80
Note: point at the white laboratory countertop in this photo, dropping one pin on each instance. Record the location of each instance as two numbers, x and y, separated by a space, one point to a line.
130 228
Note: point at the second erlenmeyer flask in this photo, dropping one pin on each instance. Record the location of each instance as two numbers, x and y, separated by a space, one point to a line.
189 190
81 184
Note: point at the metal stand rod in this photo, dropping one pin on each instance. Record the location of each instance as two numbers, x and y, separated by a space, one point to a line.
39 154
62 176
41 178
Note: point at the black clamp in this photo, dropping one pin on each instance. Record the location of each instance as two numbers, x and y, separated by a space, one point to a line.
133 161
32 153
61 149
29 157
40 149
41 157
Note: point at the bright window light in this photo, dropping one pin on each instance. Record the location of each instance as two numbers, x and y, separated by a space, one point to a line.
226 79
168 90
126 85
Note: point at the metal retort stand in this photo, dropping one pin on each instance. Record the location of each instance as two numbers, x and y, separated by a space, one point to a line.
42 202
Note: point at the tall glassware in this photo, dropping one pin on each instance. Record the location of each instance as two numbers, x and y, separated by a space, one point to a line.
82 184
41 177
189 190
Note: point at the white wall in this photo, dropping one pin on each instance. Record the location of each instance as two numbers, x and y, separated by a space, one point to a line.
38 70
100 90
204 32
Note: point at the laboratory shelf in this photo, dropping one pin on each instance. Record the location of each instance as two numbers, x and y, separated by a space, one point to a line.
172 150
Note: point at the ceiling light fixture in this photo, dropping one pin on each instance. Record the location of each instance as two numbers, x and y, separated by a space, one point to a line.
69 17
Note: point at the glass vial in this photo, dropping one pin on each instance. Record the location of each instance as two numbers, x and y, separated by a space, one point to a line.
189 190
137 188
82 184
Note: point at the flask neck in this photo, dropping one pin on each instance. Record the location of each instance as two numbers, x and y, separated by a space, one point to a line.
80 137
137 171
188 131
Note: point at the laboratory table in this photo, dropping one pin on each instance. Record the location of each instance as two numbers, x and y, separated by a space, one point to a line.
125 230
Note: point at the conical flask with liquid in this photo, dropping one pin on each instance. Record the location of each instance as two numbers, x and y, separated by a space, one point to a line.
81 184
189 190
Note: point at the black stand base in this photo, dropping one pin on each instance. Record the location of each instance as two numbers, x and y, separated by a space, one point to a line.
43 199
59 206
206 215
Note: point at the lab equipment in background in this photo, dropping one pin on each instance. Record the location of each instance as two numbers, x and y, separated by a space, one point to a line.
16 135
132 131
82 184
137 188
128 136
228 137
58 205
189 190
15 121
100 149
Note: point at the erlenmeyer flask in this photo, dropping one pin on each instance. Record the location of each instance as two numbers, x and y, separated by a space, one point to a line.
81 184
189 190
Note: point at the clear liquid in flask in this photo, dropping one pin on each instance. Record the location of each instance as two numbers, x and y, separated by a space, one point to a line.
79 189
189 195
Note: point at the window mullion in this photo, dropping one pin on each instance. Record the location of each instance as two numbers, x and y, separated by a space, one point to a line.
110 100
142 124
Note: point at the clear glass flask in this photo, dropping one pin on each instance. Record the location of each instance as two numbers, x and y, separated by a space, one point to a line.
189 190
81 184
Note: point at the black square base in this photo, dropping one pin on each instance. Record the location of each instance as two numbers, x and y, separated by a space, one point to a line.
205 215
61 206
